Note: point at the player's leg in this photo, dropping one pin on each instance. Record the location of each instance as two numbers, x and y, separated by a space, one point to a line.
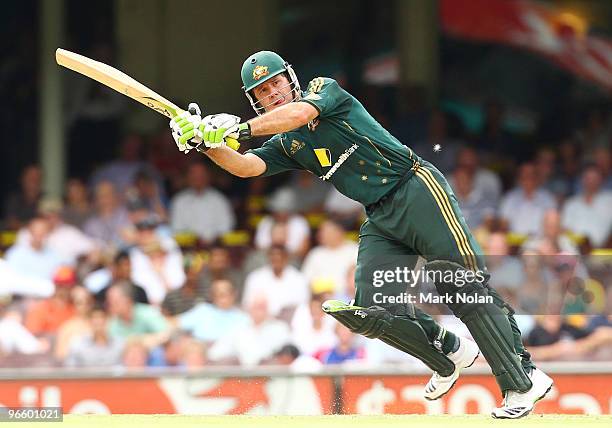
402 326
491 323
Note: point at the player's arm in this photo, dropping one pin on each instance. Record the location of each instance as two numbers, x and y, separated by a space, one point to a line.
283 119
241 165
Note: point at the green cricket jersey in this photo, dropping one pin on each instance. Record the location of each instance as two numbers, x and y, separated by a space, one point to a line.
343 145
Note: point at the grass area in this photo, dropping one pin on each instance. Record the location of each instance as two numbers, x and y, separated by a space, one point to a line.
353 421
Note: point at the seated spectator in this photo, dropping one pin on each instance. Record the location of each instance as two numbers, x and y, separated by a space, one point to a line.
258 257
311 329
135 354
96 348
552 241
602 158
476 207
283 207
45 317
484 182
506 271
76 326
283 285
289 355
121 172
34 257
119 271
145 191
522 209
208 322
219 267
588 213
157 264
254 343
201 209
332 257
14 337
77 208
19 283
63 239
194 355
22 207
191 293
347 348
549 177
129 319
110 217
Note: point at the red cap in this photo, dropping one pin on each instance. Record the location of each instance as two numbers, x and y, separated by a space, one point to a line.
65 276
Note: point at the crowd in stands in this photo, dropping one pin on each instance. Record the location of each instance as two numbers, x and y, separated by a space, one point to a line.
158 259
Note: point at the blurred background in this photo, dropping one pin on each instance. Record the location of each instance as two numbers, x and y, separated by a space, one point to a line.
119 252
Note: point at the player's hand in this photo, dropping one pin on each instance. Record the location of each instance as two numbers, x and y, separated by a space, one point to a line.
184 128
216 128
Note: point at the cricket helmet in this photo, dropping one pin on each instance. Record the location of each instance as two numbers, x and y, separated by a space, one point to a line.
260 67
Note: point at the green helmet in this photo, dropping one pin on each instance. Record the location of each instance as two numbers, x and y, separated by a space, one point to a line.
262 66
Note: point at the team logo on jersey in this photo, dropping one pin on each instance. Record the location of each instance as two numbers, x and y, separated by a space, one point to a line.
295 146
324 156
260 71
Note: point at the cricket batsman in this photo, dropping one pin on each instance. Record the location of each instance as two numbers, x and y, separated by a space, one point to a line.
411 210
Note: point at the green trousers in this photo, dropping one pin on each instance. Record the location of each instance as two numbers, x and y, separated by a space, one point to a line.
421 218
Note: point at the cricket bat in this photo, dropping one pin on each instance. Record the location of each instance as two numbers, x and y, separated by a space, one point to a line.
123 84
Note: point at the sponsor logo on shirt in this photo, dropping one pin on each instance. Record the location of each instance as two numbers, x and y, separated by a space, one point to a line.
295 146
324 156
343 157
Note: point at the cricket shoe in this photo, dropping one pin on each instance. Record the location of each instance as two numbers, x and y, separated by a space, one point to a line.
463 358
518 404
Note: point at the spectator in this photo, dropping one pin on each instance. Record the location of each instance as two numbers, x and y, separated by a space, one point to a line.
552 241
312 330
129 319
254 343
135 354
208 322
258 257
549 177
440 131
290 356
119 271
477 209
588 213
122 171
33 256
110 219
201 209
506 271
146 192
309 190
64 239
21 284
283 205
191 293
283 285
21 207
219 267
45 317
14 337
334 255
347 348
76 326
602 158
78 207
96 348
485 182
522 209
156 264
343 208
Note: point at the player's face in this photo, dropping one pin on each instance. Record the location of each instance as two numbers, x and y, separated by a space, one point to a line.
274 92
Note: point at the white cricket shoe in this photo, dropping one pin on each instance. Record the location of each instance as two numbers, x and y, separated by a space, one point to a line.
519 404
464 357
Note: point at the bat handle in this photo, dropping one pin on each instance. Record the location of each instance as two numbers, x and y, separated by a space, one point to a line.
231 143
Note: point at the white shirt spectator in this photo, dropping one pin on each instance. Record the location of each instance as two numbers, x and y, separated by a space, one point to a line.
306 337
14 337
332 263
14 282
251 344
208 214
524 215
298 231
593 220
66 240
284 291
143 272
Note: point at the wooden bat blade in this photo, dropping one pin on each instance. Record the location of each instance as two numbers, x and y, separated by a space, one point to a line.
122 83
116 80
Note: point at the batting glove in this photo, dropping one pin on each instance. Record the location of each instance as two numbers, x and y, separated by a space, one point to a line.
216 128
185 127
